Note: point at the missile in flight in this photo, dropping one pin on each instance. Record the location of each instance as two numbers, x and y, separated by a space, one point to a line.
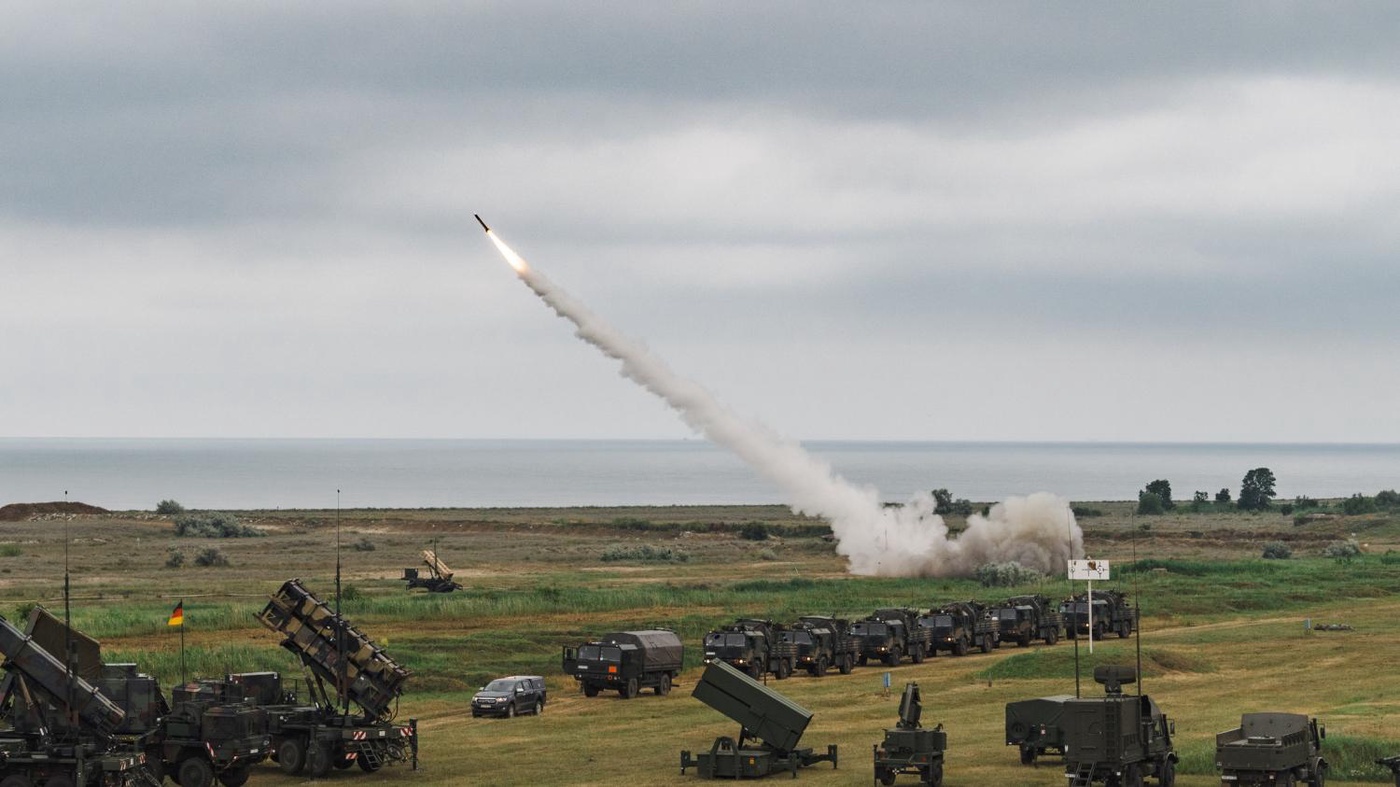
482 223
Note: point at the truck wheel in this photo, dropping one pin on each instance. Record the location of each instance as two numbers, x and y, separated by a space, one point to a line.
318 759
1320 778
960 647
864 659
234 777
664 687
367 766
885 775
1052 637
1132 776
917 655
820 670
892 658
845 664
628 691
1027 754
195 772
1166 773
987 643
291 756
1125 630
589 690
1024 640
17 780
784 669
935 774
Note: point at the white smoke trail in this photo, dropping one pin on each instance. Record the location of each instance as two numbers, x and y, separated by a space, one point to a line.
1038 532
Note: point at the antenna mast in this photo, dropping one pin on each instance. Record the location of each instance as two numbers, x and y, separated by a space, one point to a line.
339 620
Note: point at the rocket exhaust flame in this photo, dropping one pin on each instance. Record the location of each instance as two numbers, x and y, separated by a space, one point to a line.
1038 531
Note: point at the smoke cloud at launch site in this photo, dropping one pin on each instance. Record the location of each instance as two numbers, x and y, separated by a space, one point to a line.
1038 531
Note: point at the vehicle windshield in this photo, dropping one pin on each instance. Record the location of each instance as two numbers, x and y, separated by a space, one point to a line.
718 639
500 684
599 653
1006 614
798 637
943 621
869 629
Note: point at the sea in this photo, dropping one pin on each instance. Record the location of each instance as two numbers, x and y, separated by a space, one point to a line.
238 474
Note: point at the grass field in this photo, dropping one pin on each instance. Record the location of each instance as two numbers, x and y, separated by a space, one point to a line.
1224 630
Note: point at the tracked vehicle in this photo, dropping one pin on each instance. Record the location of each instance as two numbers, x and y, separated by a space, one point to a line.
770 729
1274 749
909 748
344 668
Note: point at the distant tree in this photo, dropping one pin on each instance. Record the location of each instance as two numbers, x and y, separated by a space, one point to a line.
1200 497
1163 489
1358 504
1388 498
1223 496
754 531
169 507
1302 502
942 501
1257 490
1149 503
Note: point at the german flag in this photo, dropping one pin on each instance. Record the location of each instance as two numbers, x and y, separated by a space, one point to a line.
177 616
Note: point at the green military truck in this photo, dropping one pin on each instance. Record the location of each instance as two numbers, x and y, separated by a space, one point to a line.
961 626
1024 619
626 662
1112 614
1118 739
1033 726
753 646
891 633
1274 749
822 642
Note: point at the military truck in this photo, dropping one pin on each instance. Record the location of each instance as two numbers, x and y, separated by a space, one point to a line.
206 731
822 642
1022 619
960 626
1275 749
770 729
1112 615
1117 739
754 646
909 748
626 661
61 731
891 633
344 668
1033 726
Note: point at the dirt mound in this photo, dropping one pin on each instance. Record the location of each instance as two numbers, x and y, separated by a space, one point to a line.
16 512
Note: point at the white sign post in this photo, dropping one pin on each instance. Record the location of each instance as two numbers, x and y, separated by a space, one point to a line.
1088 571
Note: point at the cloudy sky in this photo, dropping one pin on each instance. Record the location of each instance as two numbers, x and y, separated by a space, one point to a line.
972 221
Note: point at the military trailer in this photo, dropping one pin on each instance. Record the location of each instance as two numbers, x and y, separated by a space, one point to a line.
770 728
961 626
909 748
626 662
754 646
1117 739
1033 726
1112 615
891 633
206 732
1275 749
437 579
61 730
345 670
1023 619
822 643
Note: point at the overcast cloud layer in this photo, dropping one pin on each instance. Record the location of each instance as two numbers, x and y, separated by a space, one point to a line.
888 221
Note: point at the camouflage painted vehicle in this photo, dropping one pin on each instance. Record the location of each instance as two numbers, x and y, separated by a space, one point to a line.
627 662
1024 619
890 634
752 645
822 643
1112 614
961 626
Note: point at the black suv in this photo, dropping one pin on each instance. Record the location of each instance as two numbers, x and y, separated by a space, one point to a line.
510 696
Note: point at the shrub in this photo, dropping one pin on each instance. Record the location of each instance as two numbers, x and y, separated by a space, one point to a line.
174 558
1150 503
1303 501
1084 512
1001 575
645 553
169 507
210 556
364 545
767 553
1343 551
1277 550
1223 496
10 550
22 611
1358 504
350 593
1388 498
754 531
213 524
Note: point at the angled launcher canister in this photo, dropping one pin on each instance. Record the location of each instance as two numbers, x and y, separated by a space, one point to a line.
770 728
